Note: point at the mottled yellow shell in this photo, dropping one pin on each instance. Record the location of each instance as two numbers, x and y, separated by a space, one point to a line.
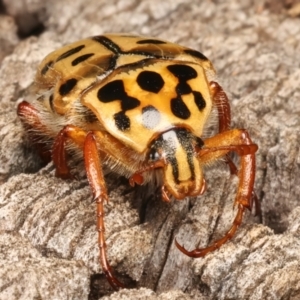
137 87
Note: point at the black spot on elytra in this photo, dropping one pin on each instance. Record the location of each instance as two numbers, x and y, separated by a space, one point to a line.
151 41
150 81
117 51
183 72
81 58
46 67
129 103
122 121
70 52
179 108
150 117
183 88
114 91
195 54
110 60
67 87
107 43
199 100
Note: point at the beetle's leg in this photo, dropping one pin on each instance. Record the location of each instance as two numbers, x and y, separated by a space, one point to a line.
222 103
232 140
31 121
59 154
137 177
97 183
88 143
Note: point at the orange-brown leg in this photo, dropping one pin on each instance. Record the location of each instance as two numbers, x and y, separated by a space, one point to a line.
59 154
97 183
222 103
32 123
85 141
215 147
137 177
88 143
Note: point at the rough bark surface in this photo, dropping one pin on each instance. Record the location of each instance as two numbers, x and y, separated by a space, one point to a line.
48 241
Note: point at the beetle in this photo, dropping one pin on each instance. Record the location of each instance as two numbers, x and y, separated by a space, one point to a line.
138 106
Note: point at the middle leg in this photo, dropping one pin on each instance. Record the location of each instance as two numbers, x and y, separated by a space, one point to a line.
92 143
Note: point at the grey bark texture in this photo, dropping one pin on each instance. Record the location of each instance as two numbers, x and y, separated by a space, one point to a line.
48 239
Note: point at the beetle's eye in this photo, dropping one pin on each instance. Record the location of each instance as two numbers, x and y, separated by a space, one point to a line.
153 155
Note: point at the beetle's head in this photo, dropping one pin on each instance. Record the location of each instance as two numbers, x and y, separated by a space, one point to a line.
177 150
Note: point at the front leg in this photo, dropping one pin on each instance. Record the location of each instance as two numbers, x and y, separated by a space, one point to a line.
90 142
94 172
215 147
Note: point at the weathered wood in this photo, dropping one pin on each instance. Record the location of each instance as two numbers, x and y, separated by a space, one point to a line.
47 225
